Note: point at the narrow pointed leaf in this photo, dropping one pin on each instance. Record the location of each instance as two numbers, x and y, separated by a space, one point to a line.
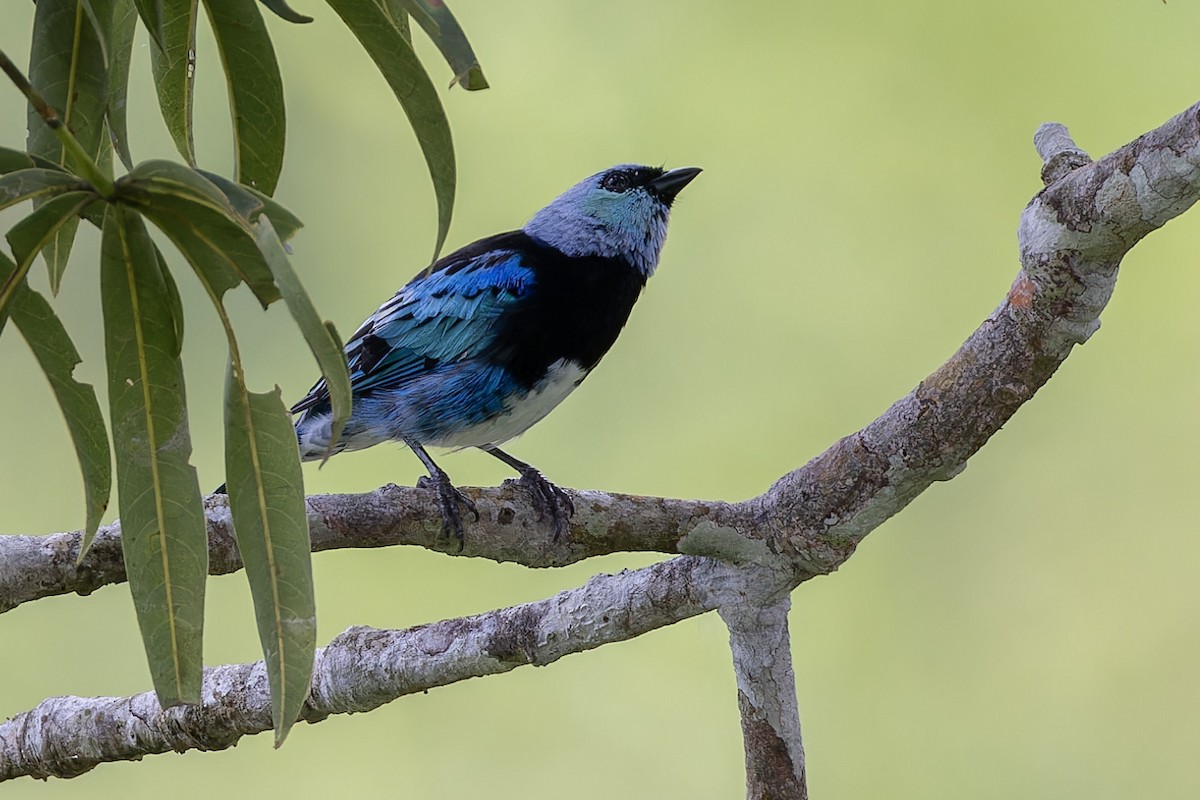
174 69
100 20
29 236
450 39
152 13
36 183
321 336
399 65
202 223
255 91
163 535
285 12
67 65
249 203
120 52
399 16
13 160
173 298
34 232
266 499
57 356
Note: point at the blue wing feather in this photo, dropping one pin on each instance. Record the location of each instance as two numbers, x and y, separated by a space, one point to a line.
448 314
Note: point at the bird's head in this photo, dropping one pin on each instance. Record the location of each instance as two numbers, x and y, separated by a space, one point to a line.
621 212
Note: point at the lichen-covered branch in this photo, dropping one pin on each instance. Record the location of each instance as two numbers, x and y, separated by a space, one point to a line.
766 687
1072 238
362 669
32 567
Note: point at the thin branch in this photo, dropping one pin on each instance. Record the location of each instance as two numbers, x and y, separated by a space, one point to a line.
1060 155
33 567
86 167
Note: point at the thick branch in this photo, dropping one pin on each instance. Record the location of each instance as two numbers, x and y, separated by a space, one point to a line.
1072 237
762 660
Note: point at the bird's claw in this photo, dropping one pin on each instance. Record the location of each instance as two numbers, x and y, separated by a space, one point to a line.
450 498
548 499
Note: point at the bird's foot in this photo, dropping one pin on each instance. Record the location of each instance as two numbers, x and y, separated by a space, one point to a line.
548 499
450 499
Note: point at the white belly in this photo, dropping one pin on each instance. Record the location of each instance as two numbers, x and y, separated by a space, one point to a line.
546 394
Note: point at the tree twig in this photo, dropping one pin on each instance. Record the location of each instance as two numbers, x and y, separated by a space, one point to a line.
87 168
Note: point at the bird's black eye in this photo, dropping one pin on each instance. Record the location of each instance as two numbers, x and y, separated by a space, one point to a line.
615 182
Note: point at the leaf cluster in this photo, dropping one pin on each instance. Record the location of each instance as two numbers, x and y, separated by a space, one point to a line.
231 232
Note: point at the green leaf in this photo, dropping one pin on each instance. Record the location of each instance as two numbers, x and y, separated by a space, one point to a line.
37 183
30 235
152 14
202 223
176 302
399 16
120 52
99 21
57 356
249 203
399 65
321 336
255 91
13 160
450 39
162 521
174 69
285 12
66 64
266 500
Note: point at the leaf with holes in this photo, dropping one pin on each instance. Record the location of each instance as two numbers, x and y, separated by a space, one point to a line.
57 356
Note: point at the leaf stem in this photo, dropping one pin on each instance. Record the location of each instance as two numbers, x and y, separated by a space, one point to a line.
86 167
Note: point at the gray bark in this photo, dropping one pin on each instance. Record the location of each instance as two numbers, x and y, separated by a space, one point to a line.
743 558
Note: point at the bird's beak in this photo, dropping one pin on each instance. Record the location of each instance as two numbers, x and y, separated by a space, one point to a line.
669 184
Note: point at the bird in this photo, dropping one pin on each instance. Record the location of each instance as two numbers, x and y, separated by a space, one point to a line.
488 340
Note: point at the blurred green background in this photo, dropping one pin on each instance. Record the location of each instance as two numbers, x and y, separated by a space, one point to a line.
1026 630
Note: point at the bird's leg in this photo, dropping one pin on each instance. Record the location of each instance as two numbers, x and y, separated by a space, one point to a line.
547 498
449 496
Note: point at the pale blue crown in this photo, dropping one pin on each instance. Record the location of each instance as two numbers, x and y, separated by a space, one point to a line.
589 220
